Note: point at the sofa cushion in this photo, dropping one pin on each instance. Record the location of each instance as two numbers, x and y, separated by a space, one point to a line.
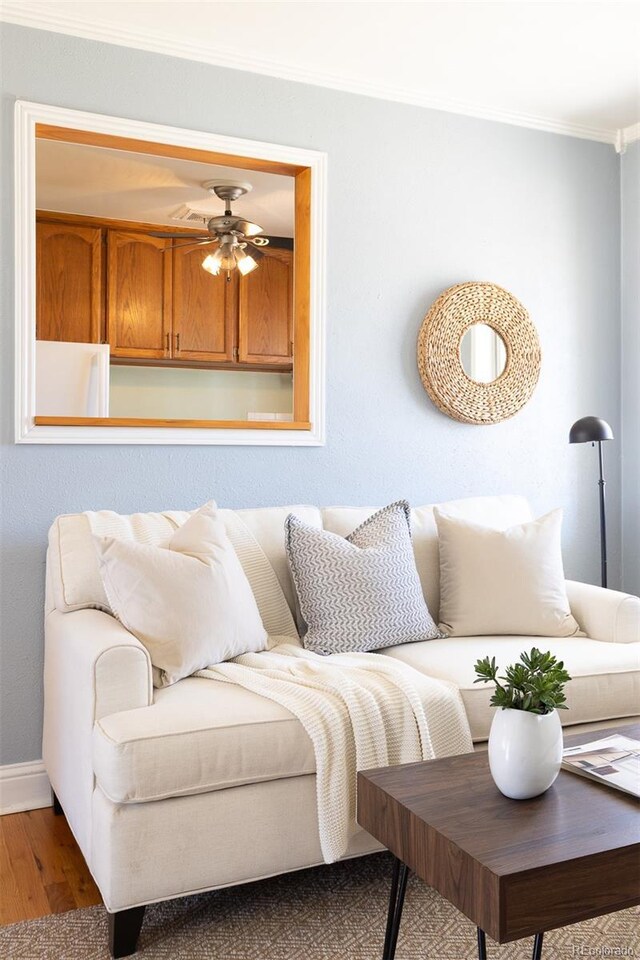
496 512
605 680
199 735
75 580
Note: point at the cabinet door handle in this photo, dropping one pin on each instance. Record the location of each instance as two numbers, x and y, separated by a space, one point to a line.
168 347
177 343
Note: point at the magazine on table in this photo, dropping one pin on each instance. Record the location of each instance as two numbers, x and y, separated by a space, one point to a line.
613 760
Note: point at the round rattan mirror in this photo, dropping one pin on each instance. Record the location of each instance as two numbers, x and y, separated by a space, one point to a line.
447 363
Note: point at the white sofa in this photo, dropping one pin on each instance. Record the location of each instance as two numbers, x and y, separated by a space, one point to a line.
203 785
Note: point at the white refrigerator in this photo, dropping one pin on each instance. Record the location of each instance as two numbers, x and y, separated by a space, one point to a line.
72 379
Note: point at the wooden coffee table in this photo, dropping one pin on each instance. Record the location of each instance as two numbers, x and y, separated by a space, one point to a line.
516 868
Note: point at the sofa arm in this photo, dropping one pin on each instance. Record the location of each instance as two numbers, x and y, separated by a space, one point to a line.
93 667
605 614
104 664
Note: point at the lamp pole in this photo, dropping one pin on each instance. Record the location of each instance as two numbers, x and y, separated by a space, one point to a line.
603 519
594 430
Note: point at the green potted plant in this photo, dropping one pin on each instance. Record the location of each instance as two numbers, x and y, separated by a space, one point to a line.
525 741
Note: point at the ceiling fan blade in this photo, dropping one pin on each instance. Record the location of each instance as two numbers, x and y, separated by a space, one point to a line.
192 243
280 243
180 236
248 228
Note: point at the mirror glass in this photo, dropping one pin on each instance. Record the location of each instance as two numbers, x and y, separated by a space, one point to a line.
129 323
483 354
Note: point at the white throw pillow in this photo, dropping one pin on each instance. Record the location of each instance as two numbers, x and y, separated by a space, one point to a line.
503 581
189 603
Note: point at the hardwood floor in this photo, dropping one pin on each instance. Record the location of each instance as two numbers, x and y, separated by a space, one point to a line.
41 868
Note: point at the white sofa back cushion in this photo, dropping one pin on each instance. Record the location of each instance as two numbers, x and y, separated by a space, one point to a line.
74 577
496 512
76 580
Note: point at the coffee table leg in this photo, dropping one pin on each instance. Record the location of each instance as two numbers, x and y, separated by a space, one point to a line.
482 945
537 946
396 902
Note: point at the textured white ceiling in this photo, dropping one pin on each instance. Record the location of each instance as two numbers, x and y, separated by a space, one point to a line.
94 181
571 66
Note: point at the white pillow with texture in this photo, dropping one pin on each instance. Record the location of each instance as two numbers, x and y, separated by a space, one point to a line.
189 603
503 581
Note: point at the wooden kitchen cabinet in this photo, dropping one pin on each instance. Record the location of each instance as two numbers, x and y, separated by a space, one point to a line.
154 304
69 283
139 307
204 309
266 310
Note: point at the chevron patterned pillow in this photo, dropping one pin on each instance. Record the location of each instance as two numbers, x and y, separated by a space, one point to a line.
361 592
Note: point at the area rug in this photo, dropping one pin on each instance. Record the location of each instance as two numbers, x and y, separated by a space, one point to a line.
327 913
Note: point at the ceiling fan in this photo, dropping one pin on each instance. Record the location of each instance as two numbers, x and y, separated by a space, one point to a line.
238 239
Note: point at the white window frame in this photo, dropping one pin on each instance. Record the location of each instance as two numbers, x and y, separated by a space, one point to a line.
27 115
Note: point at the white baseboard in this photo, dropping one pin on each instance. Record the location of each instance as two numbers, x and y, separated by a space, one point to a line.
24 786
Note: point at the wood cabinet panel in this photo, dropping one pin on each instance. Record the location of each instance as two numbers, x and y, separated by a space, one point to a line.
160 304
265 310
138 295
69 287
204 309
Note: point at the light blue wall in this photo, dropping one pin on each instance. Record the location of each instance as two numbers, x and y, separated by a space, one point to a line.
418 200
630 196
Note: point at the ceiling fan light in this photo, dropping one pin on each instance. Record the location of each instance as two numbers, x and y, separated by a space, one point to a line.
246 262
211 263
227 255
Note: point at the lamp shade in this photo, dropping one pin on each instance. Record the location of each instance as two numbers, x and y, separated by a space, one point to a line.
589 430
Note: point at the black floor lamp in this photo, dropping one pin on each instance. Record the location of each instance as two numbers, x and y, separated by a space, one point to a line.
594 430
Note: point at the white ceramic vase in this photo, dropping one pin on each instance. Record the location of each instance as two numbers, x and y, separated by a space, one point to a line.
525 752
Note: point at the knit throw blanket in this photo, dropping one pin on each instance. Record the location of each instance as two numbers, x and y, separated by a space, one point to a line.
360 710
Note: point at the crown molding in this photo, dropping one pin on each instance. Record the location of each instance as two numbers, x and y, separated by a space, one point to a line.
625 136
37 16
